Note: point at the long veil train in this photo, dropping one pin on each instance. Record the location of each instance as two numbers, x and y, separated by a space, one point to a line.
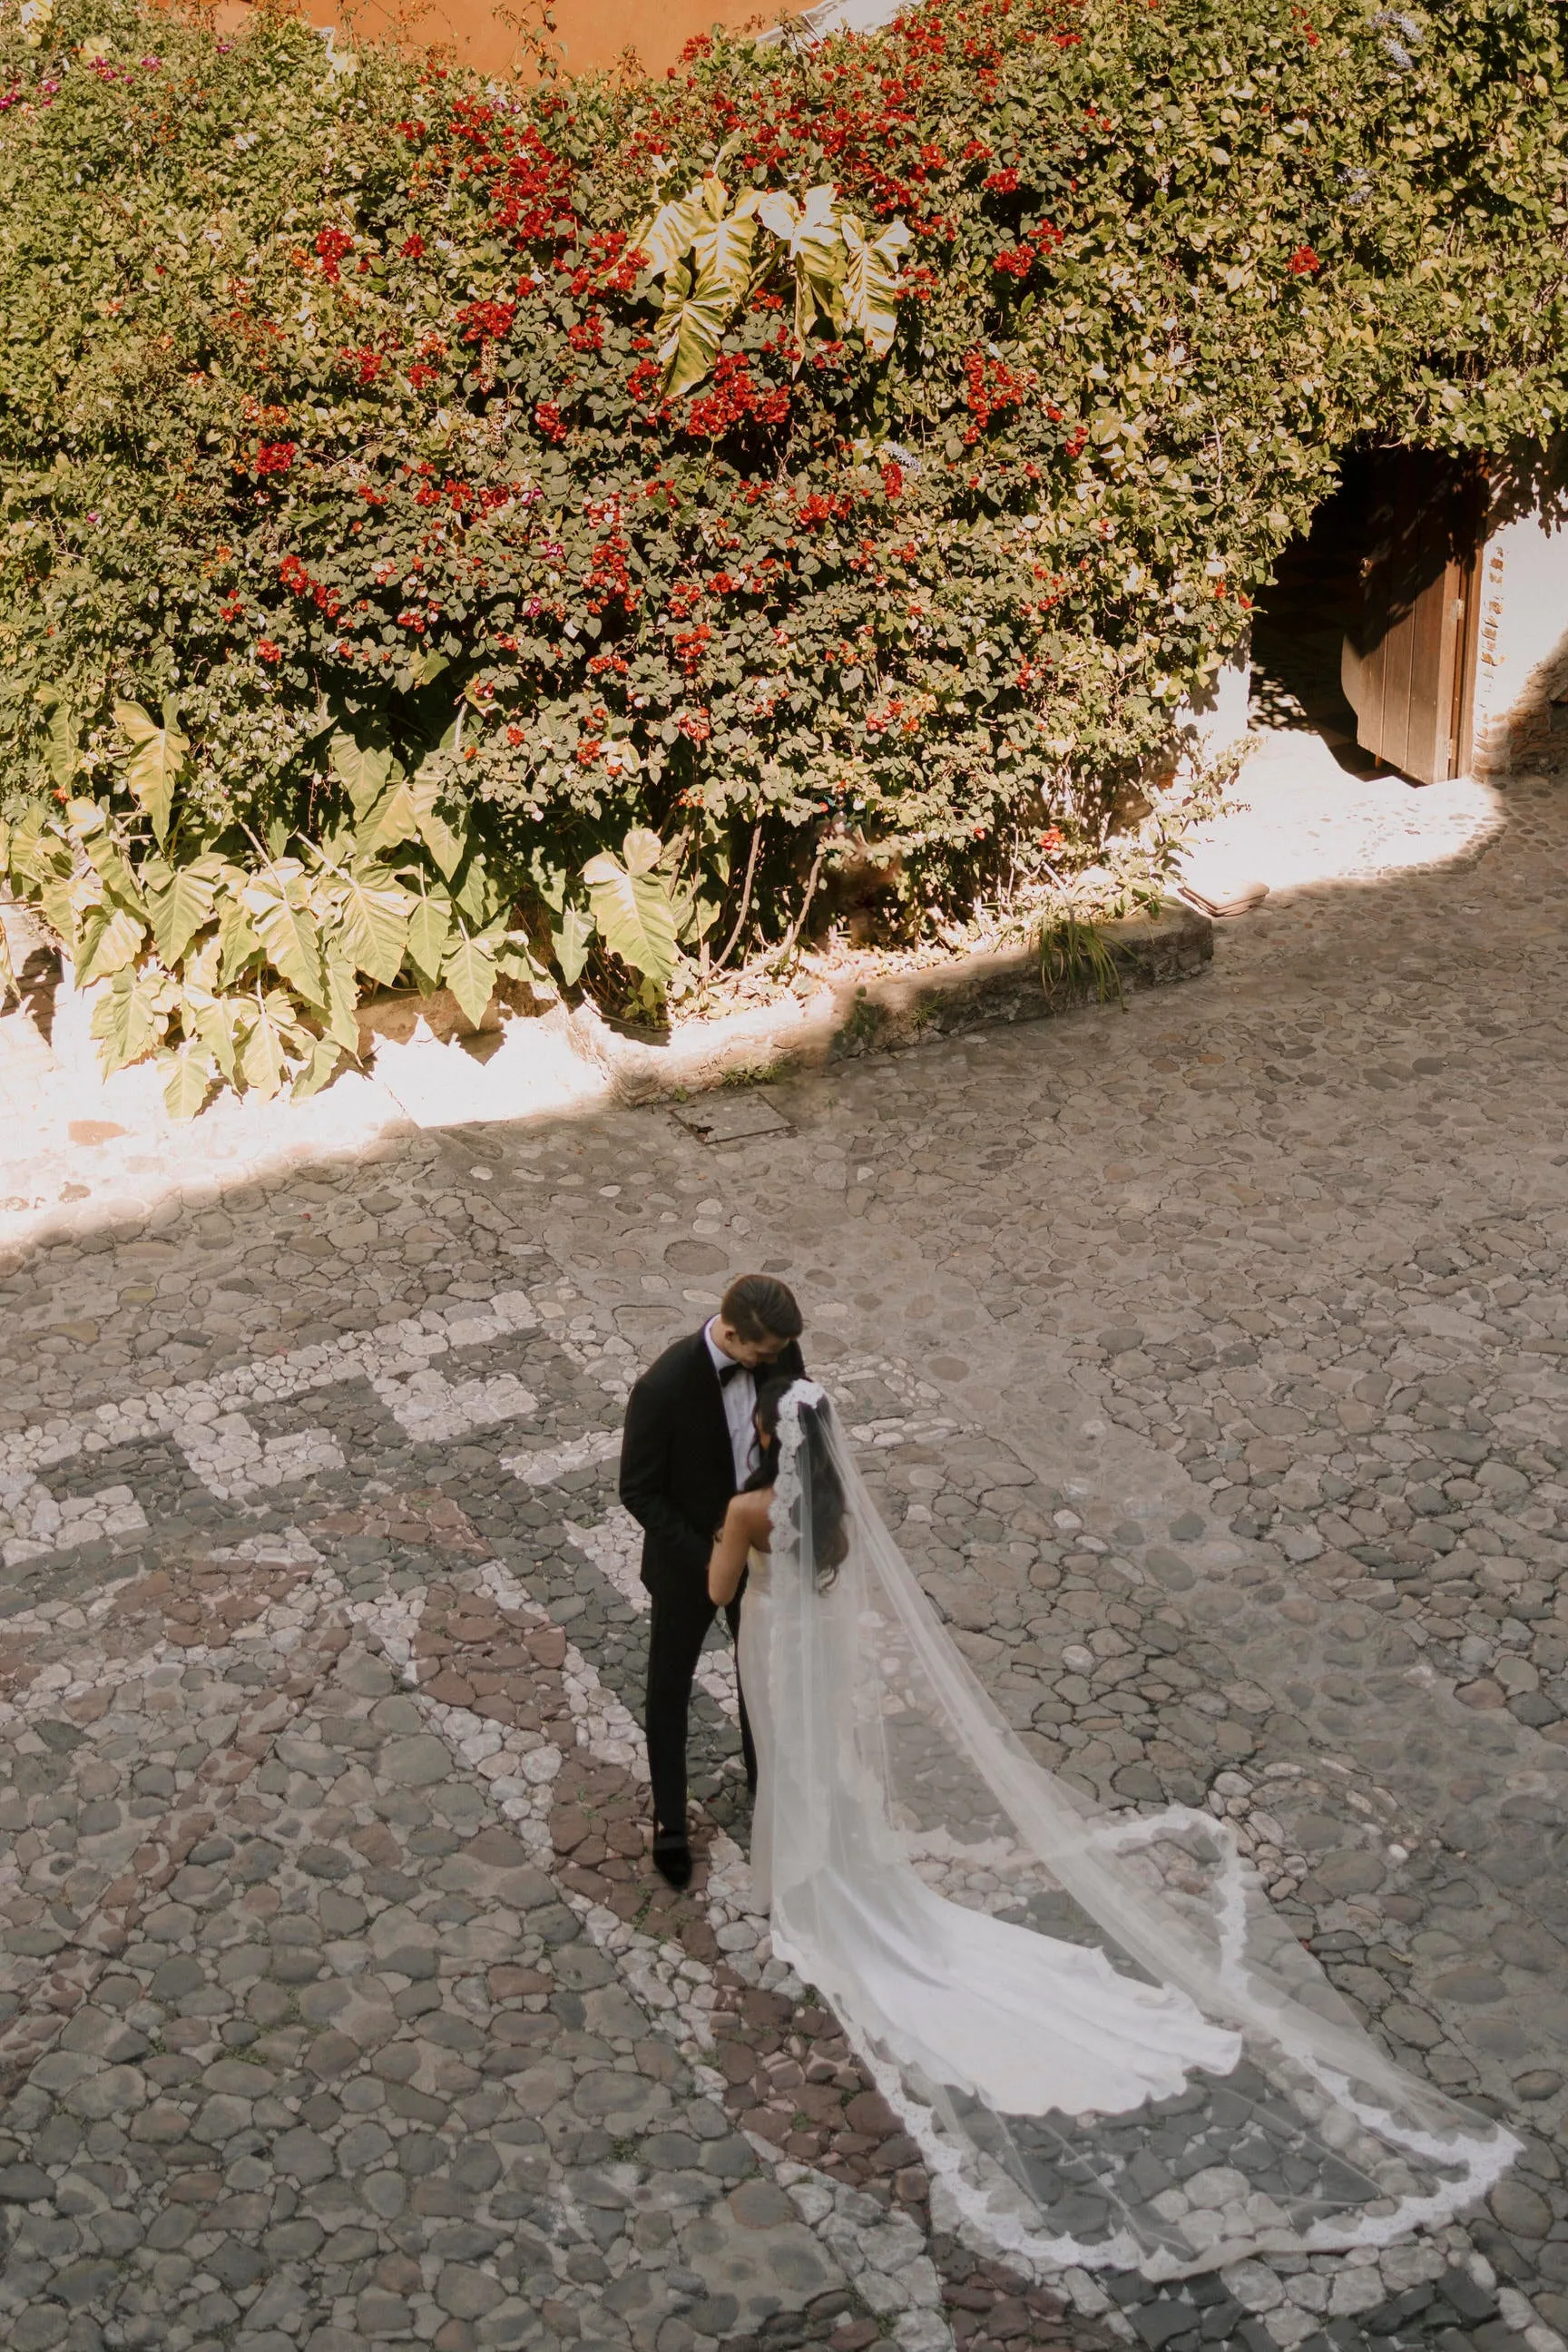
1109 2047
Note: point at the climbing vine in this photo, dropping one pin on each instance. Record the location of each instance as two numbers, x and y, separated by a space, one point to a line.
666 492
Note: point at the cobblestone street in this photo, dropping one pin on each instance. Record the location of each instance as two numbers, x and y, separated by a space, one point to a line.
1211 1358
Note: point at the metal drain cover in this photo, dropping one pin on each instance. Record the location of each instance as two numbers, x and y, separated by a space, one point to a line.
734 1114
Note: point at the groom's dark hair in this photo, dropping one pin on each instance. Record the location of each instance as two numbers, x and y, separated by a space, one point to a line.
758 1307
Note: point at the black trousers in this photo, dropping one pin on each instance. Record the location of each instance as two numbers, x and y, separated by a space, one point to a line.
677 1632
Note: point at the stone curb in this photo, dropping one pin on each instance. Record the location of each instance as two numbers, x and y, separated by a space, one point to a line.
838 1022
901 1010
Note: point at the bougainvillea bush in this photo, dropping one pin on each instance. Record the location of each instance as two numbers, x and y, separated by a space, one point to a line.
452 529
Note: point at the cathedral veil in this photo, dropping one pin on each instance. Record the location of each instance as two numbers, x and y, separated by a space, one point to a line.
1109 2048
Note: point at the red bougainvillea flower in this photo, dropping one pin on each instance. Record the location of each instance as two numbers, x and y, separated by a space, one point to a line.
268 652
413 248
1304 261
276 456
332 243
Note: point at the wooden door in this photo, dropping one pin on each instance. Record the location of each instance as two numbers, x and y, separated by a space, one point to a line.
1409 667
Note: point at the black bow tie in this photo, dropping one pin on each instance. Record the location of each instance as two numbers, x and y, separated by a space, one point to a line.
731 1371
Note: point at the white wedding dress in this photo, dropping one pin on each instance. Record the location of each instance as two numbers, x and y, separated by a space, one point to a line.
1138 1964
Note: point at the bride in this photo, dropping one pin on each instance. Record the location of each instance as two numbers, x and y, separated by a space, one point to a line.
1107 2046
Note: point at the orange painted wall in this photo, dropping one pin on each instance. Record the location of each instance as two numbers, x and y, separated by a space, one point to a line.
587 32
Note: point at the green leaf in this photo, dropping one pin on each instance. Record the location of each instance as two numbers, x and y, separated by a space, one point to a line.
362 769
342 1001
278 909
61 754
157 757
179 912
817 257
446 846
572 942
550 881
469 971
871 282
642 849
429 936
191 1069
264 1058
219 1027
110 937
394 820
666 237
129 1018
478 895
698 917
692 328
635 915
721 253
239 942
515 959
373 917
102 853
326 1059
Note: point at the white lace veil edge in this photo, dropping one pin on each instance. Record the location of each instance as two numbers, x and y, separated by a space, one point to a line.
895 1760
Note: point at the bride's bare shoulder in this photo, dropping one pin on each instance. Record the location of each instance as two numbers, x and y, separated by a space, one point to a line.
750 1514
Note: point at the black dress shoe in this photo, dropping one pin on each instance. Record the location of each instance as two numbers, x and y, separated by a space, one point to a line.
672 1857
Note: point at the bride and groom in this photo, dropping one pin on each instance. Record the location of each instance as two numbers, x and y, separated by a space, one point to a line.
1013 1964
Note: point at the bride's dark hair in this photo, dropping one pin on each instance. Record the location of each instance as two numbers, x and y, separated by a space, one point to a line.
820 1484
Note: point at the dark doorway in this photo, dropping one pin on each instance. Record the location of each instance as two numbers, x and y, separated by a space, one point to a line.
1367 635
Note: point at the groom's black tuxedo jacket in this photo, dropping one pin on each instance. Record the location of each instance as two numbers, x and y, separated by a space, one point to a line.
678 1472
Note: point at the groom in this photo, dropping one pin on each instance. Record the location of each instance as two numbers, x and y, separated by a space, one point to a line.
689 1446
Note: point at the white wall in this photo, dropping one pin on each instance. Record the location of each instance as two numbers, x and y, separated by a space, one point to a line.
1522 676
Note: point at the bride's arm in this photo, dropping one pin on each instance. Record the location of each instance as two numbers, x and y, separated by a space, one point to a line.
745 1526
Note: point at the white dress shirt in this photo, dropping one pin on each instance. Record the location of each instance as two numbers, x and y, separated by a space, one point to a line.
740 1399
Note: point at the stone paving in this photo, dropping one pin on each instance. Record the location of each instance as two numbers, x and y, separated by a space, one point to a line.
1209 1360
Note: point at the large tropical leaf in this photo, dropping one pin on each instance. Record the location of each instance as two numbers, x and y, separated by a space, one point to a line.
239 941
221 1025
573 941
446 846
7 969
129 1018
641 849
324 1062
871 282
363 769
469 971
342 1001
478 895
61 754
721 252
107 860
429 936
274 1033
191 1070
109 939
635 915
777 211
372 922
393 820
666 237
692 326
179 911
278 903
157 757
818 256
